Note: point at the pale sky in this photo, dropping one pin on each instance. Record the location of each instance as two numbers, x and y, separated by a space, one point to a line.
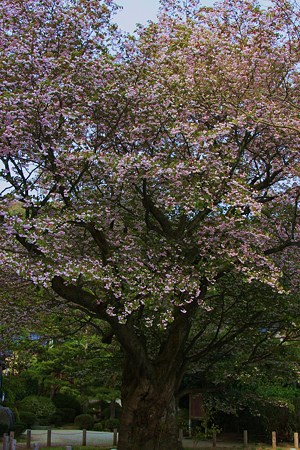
136 11
139 11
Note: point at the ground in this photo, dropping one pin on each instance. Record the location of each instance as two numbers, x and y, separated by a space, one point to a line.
104 440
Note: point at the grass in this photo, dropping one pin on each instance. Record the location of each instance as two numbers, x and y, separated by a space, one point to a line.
236 447
241 447
74 447
193 446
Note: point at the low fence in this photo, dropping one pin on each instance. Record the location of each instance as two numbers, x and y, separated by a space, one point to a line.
55 438
245 442
10 443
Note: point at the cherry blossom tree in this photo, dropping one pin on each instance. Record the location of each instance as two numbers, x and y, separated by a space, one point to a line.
146 169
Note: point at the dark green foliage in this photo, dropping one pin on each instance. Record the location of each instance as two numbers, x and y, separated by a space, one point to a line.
28 417
111 424
18 387
84 421
56 419
42 407
106 412
183 420
99 426
67 414
19 428
63 401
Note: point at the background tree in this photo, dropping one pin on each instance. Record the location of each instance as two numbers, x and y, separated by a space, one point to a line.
64 355
150 173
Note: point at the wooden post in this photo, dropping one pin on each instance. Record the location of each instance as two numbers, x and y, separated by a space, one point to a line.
84 437
48 438
180 436
11 439
245 438
5 441
214 439
28 439
274 444
115 438
296 441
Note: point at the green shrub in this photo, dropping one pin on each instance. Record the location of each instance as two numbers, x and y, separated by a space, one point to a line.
182 419
105 414
65 401
19 428
84 421
67 414
42 407
99 426
27 417
56 419
111 424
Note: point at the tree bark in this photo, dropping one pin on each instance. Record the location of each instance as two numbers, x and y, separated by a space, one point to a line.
148 414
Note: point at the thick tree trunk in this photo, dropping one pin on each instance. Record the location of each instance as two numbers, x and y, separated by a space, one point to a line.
148 413
149 384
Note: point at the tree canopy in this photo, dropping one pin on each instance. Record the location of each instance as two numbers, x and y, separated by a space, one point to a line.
149 169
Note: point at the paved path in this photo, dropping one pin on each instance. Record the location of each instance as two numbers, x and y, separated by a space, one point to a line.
105 439
72 437
98 438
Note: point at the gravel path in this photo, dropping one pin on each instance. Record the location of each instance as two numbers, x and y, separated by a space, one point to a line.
72 437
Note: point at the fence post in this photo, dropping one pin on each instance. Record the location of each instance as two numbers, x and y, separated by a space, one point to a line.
11 440
190 428
214 439
5 441
274 444
28 439
180 436
296 441
48 438
84 437
245 438
115 438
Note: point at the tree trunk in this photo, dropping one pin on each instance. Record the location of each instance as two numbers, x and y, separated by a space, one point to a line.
112 408
149 385
148 412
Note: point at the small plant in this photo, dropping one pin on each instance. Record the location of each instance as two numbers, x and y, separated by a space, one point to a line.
67 414
182 419
56 419
64 401
205 430
28 417
84 421
99 426
111 424
19 428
